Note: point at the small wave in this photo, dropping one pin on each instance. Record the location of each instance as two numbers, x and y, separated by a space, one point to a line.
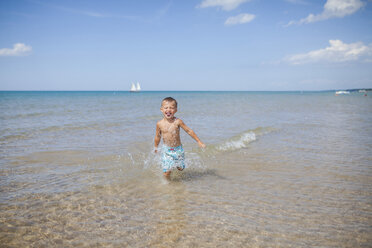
238 142
27 115
14 137
73 127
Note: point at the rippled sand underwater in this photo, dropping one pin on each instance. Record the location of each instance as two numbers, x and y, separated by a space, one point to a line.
284 171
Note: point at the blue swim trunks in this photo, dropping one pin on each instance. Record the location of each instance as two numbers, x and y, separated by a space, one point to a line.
172 157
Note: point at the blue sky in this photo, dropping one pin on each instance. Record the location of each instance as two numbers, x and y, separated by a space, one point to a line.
185 45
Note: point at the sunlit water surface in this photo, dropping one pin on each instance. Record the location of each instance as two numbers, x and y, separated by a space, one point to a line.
280 170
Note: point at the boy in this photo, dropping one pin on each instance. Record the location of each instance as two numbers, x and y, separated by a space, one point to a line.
169 128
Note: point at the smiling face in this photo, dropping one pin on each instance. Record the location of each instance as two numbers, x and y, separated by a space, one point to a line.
168 108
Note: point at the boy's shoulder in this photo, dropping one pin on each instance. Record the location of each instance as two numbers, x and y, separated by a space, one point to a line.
160 122
178 120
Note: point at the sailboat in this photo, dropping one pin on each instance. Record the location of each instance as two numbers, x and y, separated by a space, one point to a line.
135 88
342 92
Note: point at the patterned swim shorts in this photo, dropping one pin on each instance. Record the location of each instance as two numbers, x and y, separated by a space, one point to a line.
172 157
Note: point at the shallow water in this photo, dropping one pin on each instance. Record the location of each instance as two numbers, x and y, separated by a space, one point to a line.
280 169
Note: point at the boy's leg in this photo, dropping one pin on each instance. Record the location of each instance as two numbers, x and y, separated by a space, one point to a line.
167 174
166 164
181 159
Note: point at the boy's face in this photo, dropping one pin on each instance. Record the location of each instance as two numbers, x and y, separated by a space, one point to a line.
168 109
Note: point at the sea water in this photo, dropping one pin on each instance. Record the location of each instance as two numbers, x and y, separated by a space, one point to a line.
285 169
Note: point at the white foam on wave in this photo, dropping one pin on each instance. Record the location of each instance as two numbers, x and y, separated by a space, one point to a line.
239 142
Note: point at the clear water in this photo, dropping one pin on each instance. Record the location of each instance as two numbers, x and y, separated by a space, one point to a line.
285 169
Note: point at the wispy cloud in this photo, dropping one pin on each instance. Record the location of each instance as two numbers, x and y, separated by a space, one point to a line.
89 13
297 1
332 9
81 12
239 19
157 15
19 49
226 5
92 13
164 10
337 52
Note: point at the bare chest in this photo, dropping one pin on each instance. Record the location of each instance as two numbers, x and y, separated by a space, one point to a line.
170 128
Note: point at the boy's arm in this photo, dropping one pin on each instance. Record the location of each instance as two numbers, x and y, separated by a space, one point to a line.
191 133
157 137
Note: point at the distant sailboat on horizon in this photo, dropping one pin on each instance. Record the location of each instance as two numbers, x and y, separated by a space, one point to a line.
342 92
135 88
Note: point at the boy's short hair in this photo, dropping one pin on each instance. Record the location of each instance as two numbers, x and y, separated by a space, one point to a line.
169 99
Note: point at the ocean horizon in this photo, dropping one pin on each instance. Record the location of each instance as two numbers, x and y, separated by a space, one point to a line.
149 91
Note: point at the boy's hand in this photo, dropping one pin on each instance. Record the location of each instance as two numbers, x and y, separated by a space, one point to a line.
156 150
201 144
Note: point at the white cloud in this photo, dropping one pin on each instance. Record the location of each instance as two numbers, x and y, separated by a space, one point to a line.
226 5
332 9
239 19
19 49
337 52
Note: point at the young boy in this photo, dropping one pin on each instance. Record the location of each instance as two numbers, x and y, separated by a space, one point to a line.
169 127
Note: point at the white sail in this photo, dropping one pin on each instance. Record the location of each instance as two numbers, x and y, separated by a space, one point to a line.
342 92
138 87
133 88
